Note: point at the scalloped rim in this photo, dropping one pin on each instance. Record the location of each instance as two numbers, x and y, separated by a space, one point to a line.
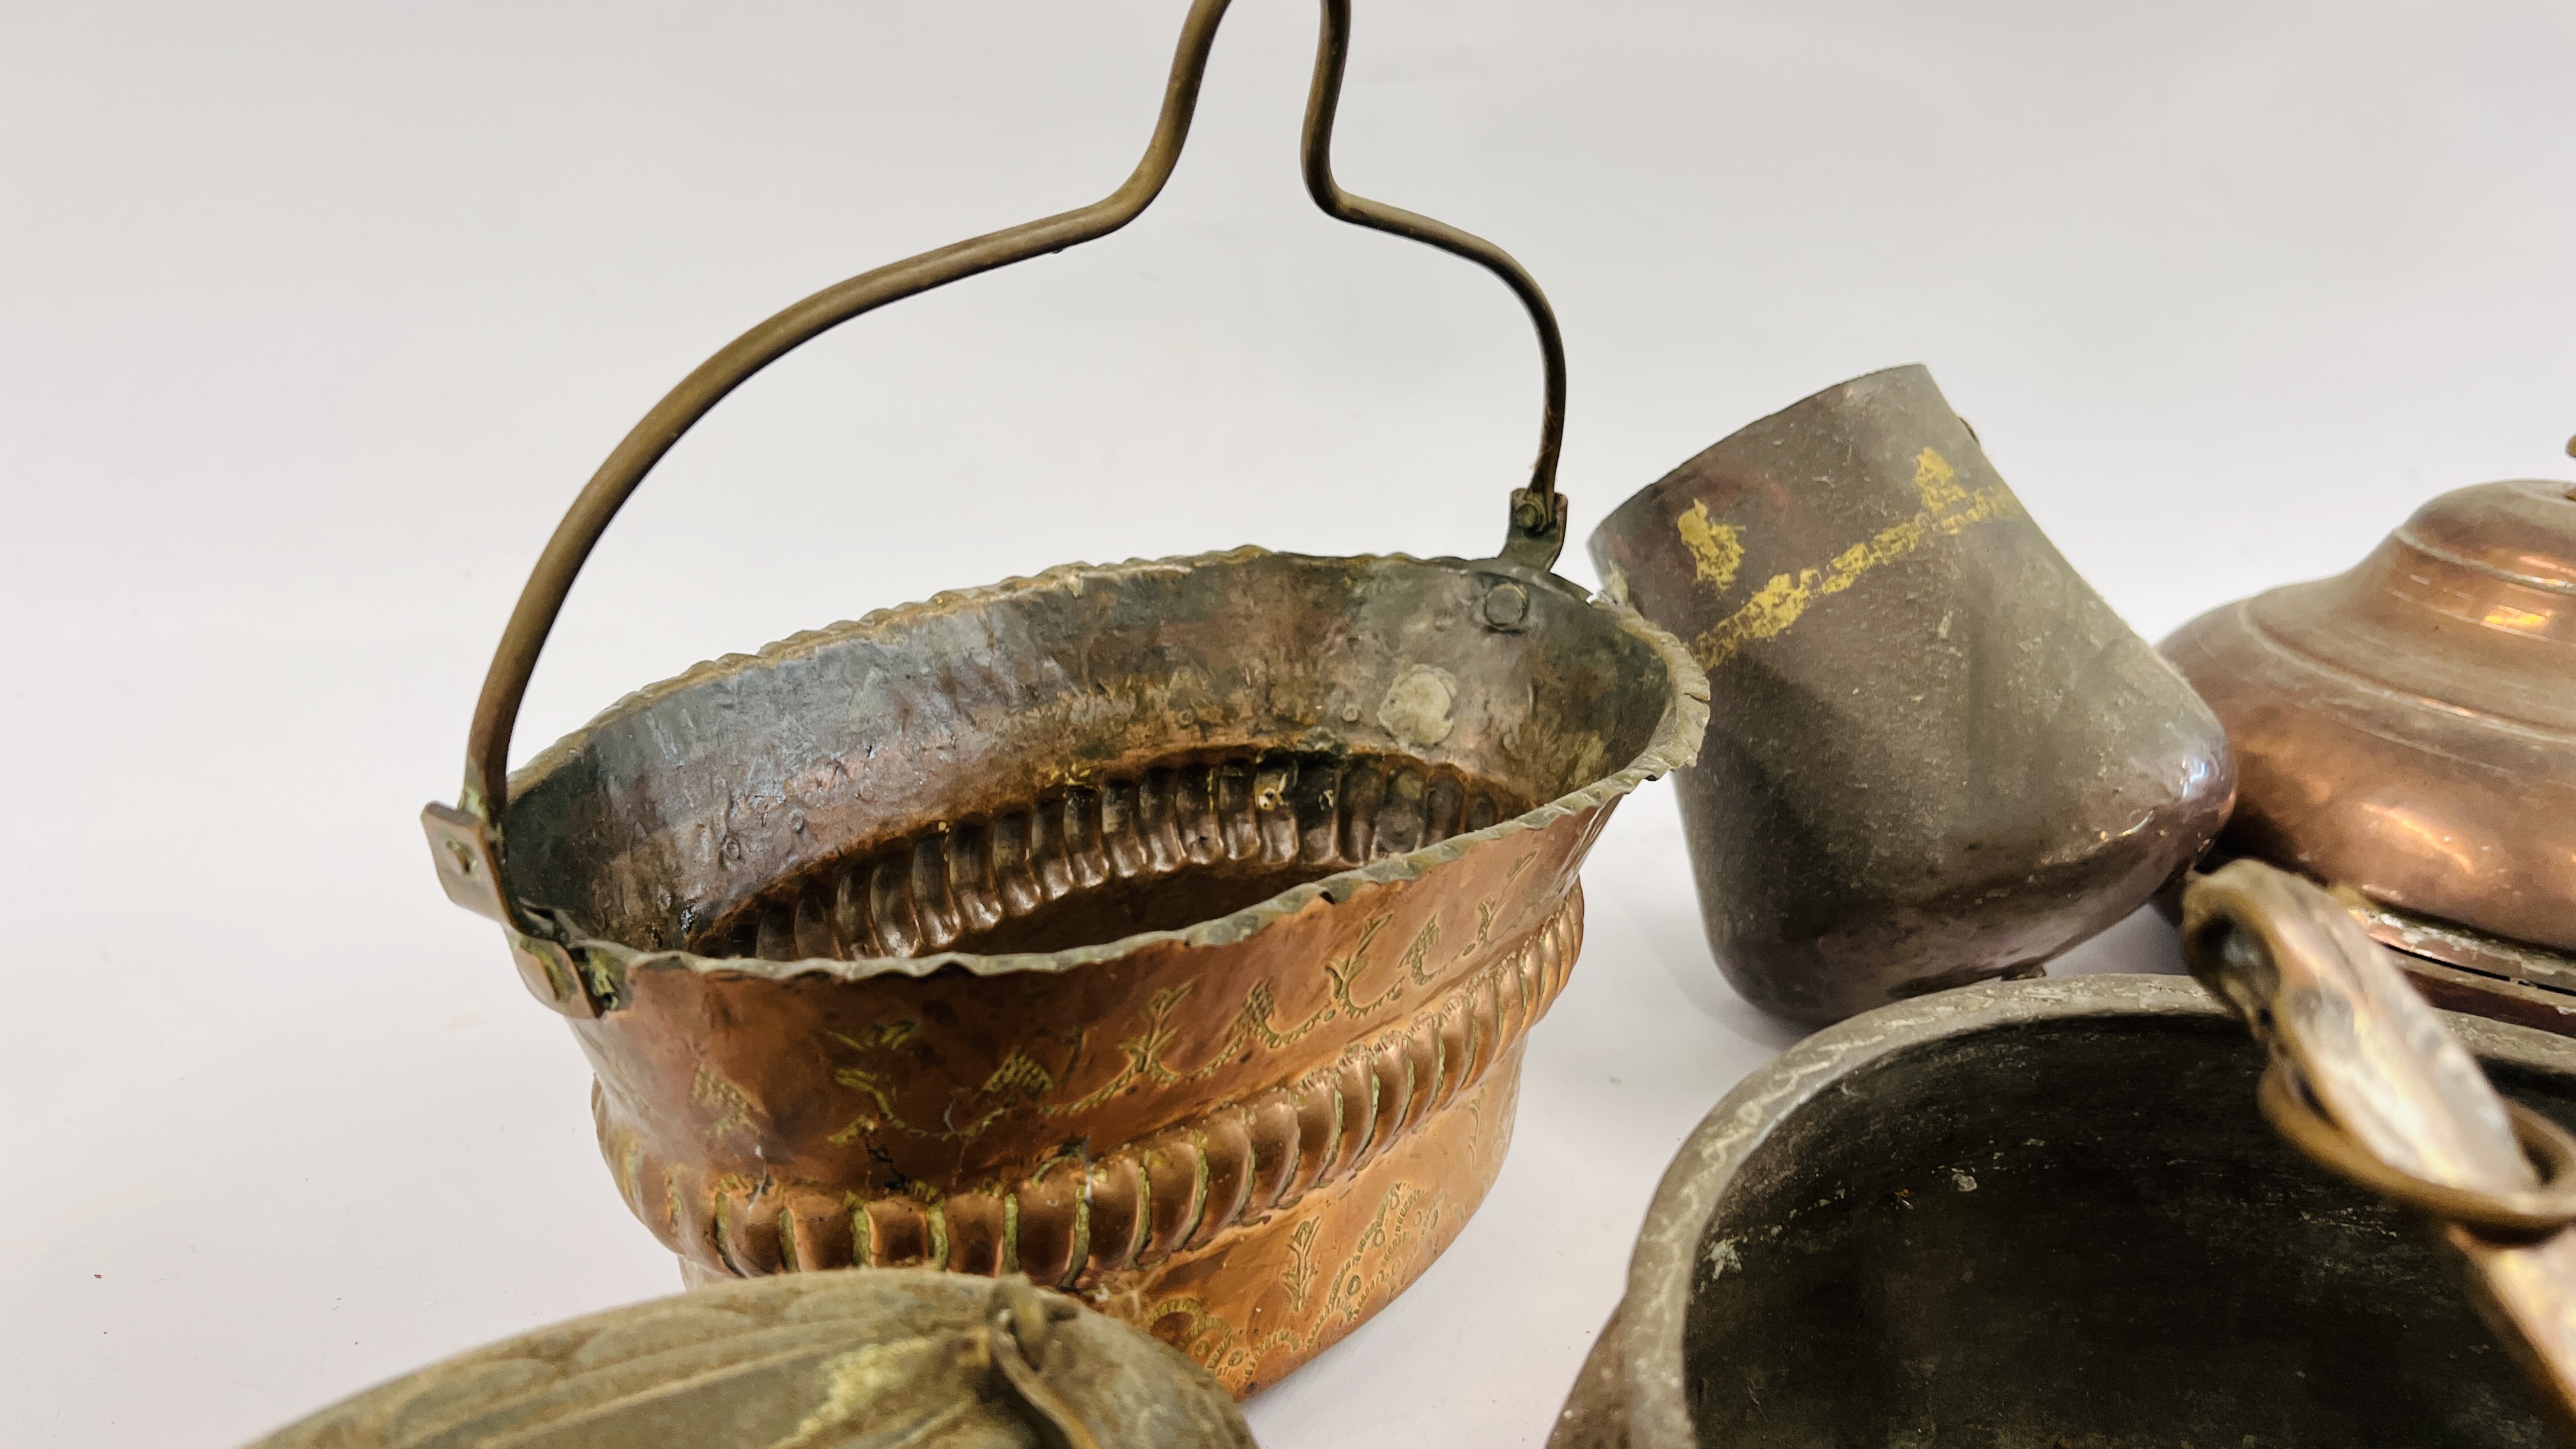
1675 743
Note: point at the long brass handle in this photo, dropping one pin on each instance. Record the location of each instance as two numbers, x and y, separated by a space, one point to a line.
2366 1080
1537 529
1538 514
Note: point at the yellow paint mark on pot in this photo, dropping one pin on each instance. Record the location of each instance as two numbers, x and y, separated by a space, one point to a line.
1947 508
1937 481
1716 549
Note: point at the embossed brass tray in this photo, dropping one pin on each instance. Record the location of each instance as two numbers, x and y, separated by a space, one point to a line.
1166 932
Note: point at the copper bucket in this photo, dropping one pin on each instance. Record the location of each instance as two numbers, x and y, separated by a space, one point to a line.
1166 932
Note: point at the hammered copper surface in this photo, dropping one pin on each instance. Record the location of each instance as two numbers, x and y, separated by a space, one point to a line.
1167 932
2408 728
1245 1124
886 1360
1934 754
2035 1214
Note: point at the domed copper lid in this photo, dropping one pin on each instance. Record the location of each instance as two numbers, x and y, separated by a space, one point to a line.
2409 728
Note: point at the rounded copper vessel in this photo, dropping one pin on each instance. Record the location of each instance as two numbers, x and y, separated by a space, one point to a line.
1165 932
2408 728
2043 1213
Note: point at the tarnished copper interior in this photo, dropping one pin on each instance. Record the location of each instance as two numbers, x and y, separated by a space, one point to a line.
1168 932
1158 850
1066 762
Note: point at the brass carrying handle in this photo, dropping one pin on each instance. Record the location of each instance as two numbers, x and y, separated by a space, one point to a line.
2367 1081
1018 1325
1537 530
2532 1212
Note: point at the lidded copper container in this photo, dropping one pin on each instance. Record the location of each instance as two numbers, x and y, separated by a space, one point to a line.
2408 730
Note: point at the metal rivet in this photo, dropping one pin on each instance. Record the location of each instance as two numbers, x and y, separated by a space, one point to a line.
1506 605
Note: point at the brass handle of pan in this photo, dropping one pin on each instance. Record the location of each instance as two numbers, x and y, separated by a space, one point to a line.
2367 1081
1538 511
1536 534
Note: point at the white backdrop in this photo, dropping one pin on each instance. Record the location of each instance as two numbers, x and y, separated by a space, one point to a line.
313 317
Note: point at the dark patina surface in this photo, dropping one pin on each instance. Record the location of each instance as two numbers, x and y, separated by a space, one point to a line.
1934 754
885 1360
2042 1213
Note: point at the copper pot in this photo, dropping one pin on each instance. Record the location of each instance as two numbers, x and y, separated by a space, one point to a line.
2044 1213
1167 932
1935 756
2408 730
